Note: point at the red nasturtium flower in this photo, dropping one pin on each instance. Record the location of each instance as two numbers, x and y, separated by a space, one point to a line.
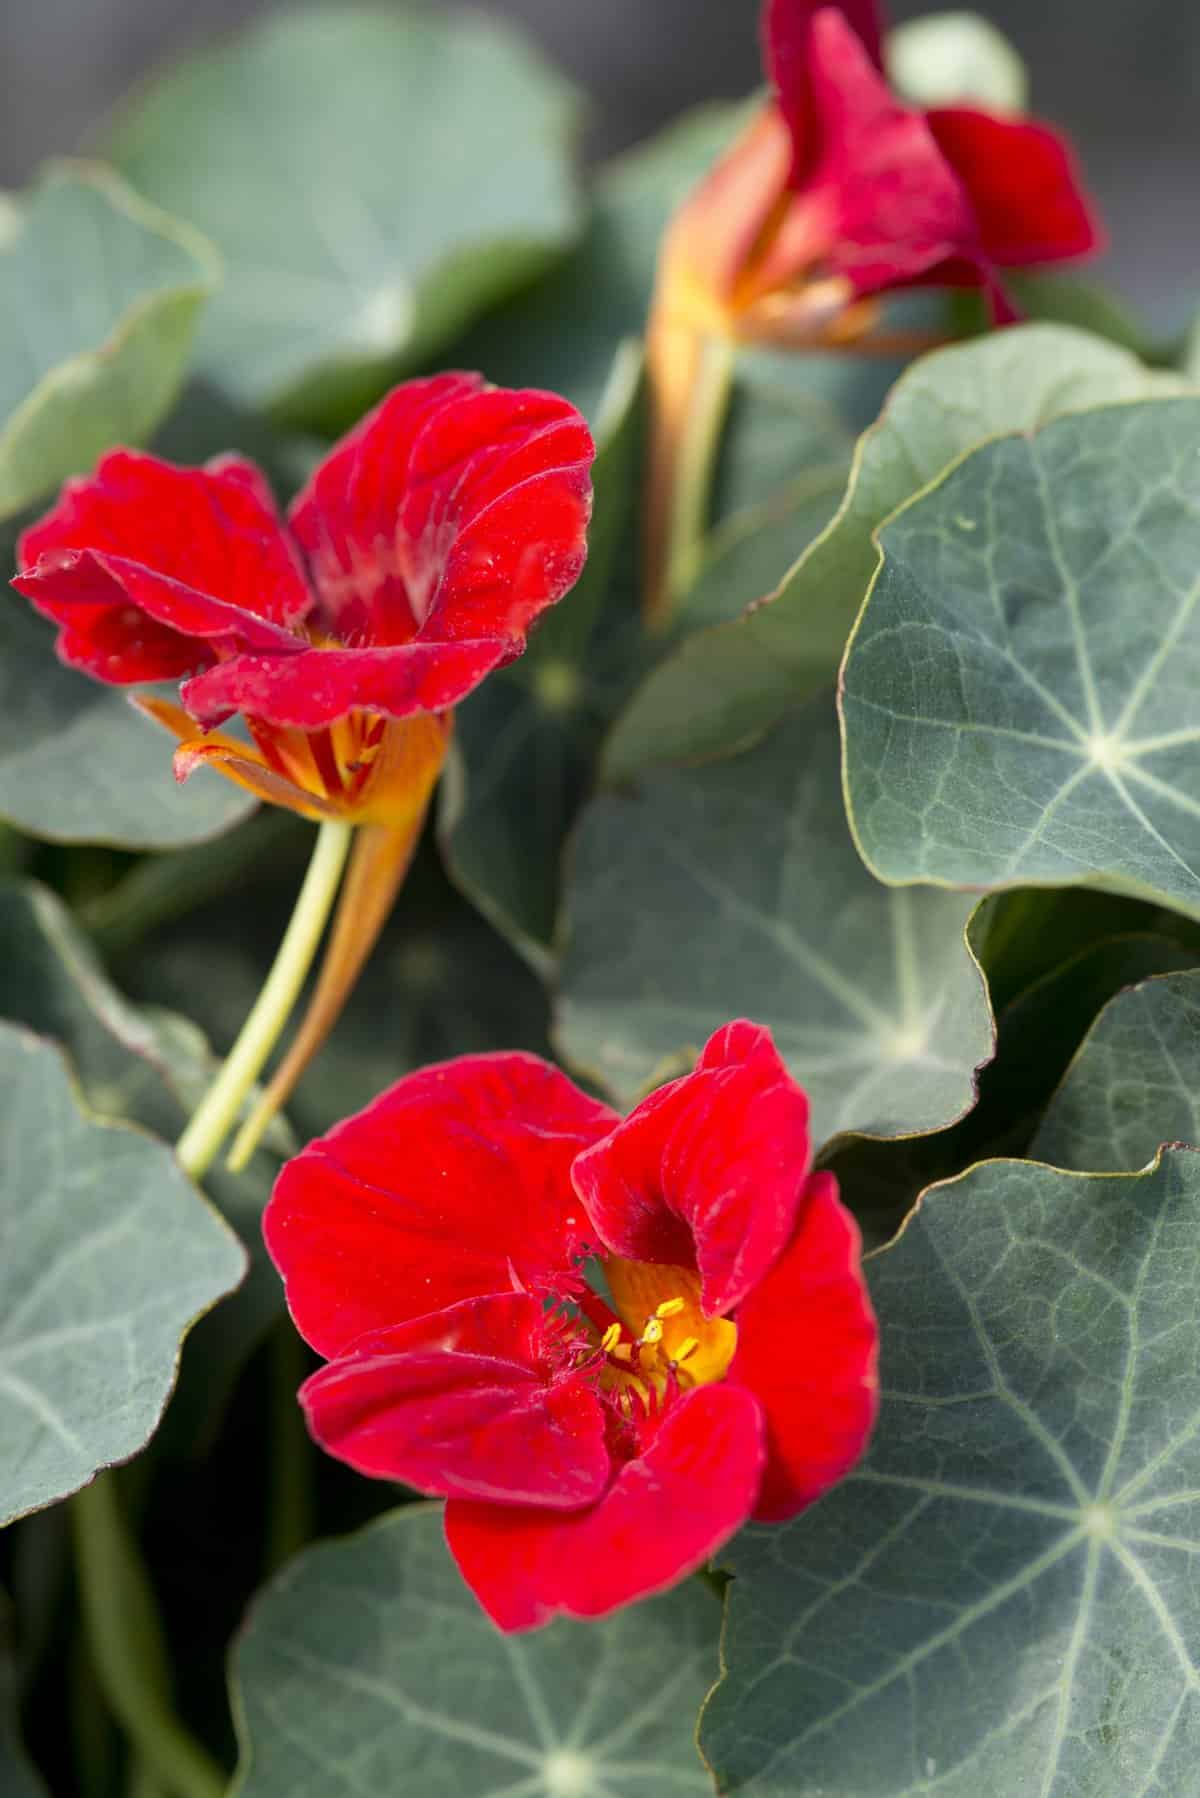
592 1450
837 191
412 564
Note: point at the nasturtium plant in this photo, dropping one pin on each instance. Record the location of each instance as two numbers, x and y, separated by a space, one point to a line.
1003 1595
102 292
433 152
109 1256
1016 694
698 891
1135 1082
79 765
722 687
429 1694
600 904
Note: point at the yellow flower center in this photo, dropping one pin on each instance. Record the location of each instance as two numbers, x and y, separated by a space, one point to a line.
662 1336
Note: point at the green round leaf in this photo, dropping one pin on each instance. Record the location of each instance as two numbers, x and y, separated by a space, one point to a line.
143 1066
956 59
1018 695
100 294
107 1255
78 764
368 1669
734 890
1135 1083
723 686
373 180
1002 1598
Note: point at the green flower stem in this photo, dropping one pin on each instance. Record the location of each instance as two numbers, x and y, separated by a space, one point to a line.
691 500
126 1643
219 1108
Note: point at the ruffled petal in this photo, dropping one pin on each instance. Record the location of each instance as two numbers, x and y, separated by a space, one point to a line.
663 1516
454 512
319 686
479 1401
807 1348
787 53
1024 184
347 517
144 564
708 1171
455 1183
890 206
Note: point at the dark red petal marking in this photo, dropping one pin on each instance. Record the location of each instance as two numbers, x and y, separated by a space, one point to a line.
1024 185
453 1184
807 1349
708 1171
141 558
663 1516
347 517
478 1401
453 511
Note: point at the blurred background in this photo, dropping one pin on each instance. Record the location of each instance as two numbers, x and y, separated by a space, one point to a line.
1120 75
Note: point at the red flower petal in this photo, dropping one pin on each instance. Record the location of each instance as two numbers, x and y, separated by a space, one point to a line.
472 1402
140 560
708 1171
1024 185
787 51
453 511
346 517
898 207
807 1349
662 1517
318 686
453 1184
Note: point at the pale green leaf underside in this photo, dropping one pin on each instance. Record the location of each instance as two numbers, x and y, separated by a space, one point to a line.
368 1669
372 181
79 765
100 295
1134 1084
1019 694
726 684
1003 1598
956 59
107 1255
734 890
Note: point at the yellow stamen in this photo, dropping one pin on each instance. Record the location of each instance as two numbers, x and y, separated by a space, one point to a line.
670 1308
687 1347
610 1338
653 1331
